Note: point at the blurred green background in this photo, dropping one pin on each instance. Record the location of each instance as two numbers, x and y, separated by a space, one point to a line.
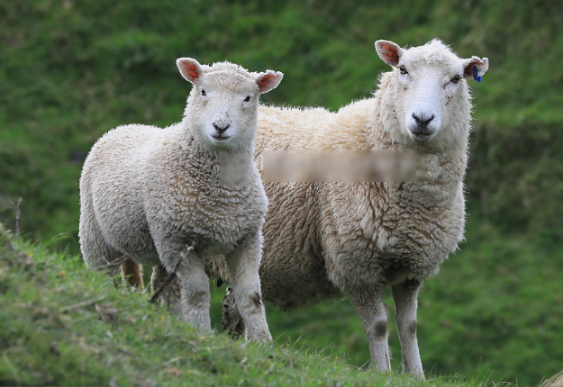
72 70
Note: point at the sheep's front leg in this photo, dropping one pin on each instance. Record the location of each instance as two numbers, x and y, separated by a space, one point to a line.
194 283
243 266
405 295
232 320
196 297
373 316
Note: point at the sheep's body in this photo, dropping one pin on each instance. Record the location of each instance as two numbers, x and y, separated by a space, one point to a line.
357 238
365 234
149 193
140 185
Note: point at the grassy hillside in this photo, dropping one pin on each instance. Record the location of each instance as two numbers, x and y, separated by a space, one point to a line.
63 325
71 70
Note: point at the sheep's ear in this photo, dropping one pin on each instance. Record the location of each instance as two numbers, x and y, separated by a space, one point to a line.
389 52
482 66
268 81
190 69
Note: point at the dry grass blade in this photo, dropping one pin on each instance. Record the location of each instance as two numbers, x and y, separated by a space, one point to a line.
118 262
81 304
18 214
171 276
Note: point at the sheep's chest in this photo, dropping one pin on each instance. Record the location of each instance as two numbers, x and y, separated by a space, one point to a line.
380 237
216 220
191 201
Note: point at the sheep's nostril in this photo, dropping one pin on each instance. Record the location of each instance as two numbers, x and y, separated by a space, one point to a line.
422 121
221 128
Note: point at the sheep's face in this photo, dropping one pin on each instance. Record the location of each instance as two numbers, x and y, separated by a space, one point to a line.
430 89
223 104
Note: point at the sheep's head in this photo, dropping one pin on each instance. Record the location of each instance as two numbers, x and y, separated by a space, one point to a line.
430 89
223 104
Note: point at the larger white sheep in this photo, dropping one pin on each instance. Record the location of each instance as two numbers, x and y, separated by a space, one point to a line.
321 239
148 193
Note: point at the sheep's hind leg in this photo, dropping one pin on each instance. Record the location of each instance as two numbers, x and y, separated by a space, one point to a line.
97 254
158 276
373 316
132 273
243 266
405 296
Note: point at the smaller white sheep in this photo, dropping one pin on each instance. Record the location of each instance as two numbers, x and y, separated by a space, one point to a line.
147 193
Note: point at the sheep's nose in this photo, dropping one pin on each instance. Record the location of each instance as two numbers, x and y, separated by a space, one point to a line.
422 120
220 127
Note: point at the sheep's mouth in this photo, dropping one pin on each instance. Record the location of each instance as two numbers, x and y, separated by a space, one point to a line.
421 134
218 137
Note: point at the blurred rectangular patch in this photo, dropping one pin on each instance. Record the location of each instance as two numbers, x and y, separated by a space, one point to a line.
348 166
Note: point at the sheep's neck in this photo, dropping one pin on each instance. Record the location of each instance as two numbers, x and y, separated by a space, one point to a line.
208 161
452 162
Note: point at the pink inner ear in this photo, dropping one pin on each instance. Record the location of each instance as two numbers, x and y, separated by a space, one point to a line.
192 70
390 53
266 80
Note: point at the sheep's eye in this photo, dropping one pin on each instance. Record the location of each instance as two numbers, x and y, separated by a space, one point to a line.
403 70
456 79
247 99
203 93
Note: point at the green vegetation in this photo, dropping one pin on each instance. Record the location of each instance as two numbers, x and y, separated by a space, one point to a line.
93 334
71 70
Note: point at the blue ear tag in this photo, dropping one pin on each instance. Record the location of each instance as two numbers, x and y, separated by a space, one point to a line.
475 76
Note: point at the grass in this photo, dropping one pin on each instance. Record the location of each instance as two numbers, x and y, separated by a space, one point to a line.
62 324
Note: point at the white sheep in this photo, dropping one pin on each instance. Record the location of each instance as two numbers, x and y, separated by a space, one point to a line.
321 239
148 193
